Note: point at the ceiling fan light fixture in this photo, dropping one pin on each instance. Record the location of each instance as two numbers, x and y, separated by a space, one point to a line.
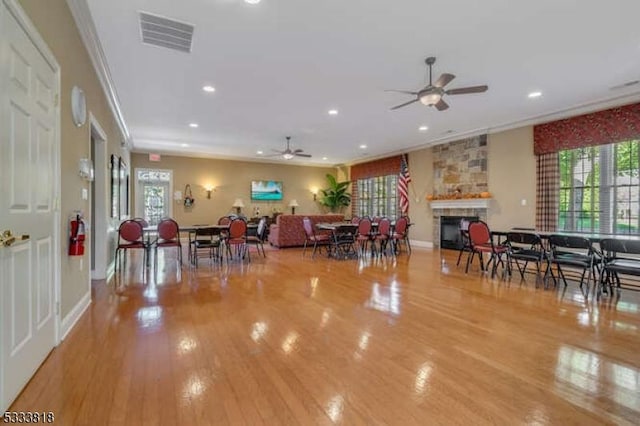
430 99
287 156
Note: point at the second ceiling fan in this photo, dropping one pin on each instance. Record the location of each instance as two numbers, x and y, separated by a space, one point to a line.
432 94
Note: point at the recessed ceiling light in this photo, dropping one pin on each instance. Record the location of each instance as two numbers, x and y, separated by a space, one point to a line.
184 145
363 146
259 152
209 89
193 125
333 112
535 94
252 1
423 128
324 158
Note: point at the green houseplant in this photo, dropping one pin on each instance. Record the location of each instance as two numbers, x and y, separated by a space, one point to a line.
336 196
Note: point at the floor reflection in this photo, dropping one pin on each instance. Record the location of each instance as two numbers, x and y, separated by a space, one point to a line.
385 299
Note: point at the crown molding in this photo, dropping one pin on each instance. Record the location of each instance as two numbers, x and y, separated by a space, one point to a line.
84 21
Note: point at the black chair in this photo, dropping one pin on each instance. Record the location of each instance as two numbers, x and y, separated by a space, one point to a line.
258 239
206 240
574 252
525 247
620 257
465 245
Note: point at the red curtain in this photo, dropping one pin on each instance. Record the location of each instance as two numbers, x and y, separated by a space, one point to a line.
598 128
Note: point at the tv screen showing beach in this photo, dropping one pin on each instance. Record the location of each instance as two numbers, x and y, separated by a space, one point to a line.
266 190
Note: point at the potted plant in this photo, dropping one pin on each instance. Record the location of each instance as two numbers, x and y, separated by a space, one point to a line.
336 197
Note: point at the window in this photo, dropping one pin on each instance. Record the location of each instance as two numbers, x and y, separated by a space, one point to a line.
600 189
377 196
153 190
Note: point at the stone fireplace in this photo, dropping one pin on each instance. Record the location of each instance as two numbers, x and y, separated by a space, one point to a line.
459 167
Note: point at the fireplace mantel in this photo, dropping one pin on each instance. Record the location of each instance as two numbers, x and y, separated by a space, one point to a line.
461 203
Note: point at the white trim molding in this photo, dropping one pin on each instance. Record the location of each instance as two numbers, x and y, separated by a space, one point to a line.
423 244
462 203
70 320
86 27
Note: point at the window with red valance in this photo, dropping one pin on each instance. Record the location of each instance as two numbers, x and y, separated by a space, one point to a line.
598 128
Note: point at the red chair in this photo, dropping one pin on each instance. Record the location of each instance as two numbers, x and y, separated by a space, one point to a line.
130 236
383 235
364 235
401 234
237 237
311 236
168 236
481 242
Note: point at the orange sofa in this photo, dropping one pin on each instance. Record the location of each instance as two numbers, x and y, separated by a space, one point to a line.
289 232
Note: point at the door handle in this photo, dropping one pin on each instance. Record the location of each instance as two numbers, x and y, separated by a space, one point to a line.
7 238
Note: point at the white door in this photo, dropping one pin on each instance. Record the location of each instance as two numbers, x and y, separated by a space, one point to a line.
28 172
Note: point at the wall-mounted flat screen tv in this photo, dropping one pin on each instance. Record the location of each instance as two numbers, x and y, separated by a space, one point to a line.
266 190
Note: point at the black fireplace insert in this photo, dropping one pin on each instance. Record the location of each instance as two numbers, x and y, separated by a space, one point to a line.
450 237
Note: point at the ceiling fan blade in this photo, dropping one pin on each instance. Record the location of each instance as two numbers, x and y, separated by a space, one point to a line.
404 104
464 90
441 105
402 91
297 150
277 150
297 154
443 80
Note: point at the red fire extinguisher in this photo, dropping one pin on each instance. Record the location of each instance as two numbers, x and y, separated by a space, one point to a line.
76 237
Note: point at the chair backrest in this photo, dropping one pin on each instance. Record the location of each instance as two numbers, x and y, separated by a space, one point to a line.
237 228
524 238
364 226
479 233
570 241
384 226
142 221
224 220
308 227
355 219
401 225
262 227
130 231
613 246
168 229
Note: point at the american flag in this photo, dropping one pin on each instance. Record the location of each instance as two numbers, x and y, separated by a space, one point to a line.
403 185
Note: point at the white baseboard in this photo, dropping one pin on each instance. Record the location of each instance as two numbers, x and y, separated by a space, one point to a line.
72 317
418 243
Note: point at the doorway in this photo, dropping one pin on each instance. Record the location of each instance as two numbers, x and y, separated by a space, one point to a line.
153 194
99 202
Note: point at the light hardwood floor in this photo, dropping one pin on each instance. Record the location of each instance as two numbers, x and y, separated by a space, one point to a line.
291 340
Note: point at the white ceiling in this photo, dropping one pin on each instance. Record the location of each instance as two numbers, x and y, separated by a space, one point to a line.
280 65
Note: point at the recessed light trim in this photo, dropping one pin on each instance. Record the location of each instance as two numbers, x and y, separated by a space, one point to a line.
259 152
535 95
363 146
324 158
252 1
193 125
333 112
209 89
184 145
423 128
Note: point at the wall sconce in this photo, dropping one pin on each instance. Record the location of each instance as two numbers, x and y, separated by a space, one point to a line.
238 204
85 169
293 204
209 188
314 191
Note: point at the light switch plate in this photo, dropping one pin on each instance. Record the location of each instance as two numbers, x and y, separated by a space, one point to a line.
85 194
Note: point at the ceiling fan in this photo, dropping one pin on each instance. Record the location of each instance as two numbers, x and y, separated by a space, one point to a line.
432 94
289 153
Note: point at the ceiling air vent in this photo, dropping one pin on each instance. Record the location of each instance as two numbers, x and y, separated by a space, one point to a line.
164 32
